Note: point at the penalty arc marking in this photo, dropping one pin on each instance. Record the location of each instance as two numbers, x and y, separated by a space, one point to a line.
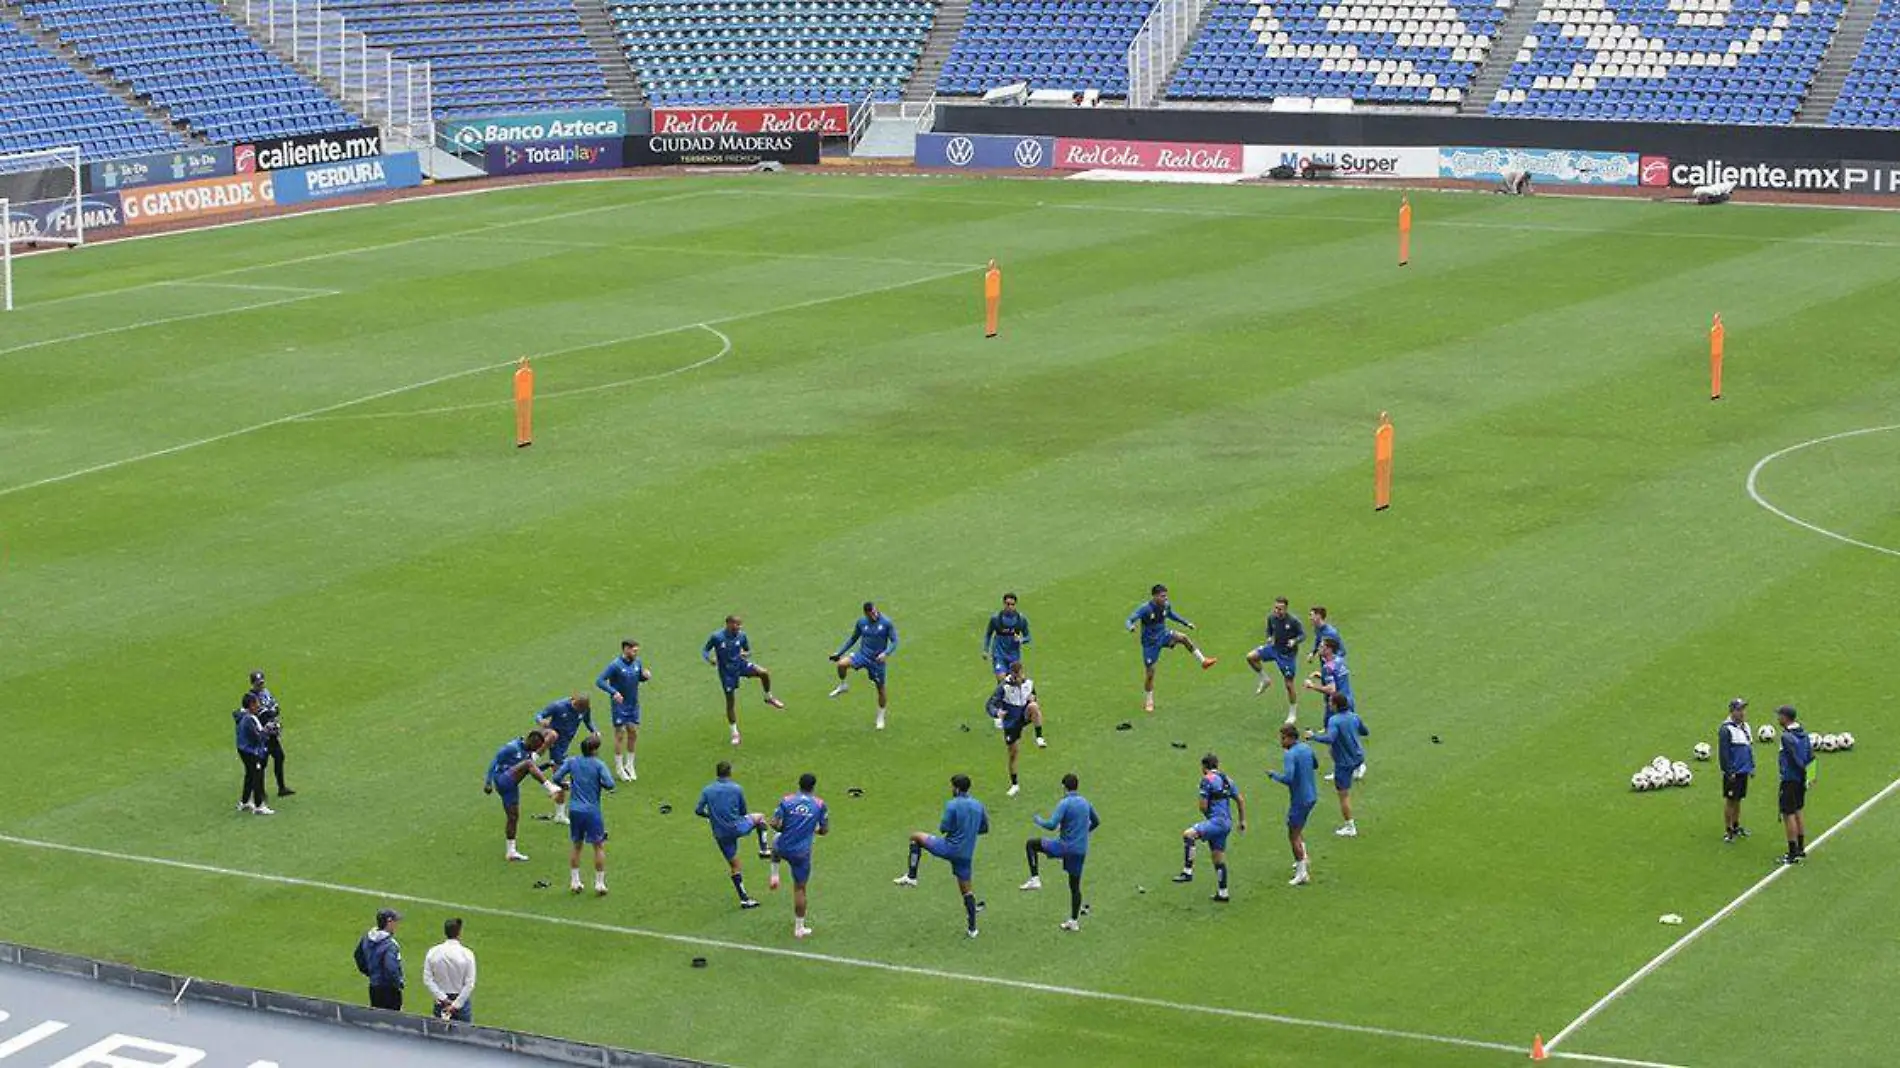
1754 490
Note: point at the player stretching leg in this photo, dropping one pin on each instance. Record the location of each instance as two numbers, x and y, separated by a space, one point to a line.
1282 649
1343 730
1073 820
730 651
584 777
799 819
565 718
1014 706
964 819
722 806
513 762
1217 821
1153 616
1297 775
876 639
620 680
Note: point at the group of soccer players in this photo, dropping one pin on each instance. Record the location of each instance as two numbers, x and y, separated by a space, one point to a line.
786 836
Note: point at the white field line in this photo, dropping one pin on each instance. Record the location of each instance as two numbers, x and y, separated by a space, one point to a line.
310 294
256 286
453 375
773 951
1703 928
1754 493
684 250
725 349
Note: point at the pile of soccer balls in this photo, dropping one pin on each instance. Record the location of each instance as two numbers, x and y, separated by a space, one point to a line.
1662 772
1833 743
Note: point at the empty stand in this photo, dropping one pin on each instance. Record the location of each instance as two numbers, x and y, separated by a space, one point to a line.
1051 44
488 55
188 58
1375 51
1871 95
773 51
1727 61
45 103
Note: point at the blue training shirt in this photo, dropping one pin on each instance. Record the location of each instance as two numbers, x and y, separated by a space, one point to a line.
585 777
963 820
1325 631
1797 752
1338 676
250 733
1154 621
1073 820
1219 792
566 718
622 676
872 638
509 755
730 651
1343 731
1735 749
1298 775
1284 634
722 805
1006 635
800 818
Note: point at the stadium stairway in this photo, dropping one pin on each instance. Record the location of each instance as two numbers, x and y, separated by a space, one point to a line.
1831 78
11 11
615 65
942 37
1490 77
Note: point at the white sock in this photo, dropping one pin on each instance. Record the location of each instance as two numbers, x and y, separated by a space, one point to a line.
600 880
735 728
1293 710
573 876
511 846
881 711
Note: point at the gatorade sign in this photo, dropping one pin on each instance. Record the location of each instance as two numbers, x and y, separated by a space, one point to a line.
193 200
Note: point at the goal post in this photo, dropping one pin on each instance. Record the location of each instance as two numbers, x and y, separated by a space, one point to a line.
6 254
42 202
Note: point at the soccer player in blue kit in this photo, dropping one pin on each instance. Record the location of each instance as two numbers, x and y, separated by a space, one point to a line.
722 806
1299 771
584 777
1219 797
730 650
876 639
511 764
620 680
1004 638
1343 730
964 820
1323 630
565 718
1073 821
1153 616
799 819
1282 649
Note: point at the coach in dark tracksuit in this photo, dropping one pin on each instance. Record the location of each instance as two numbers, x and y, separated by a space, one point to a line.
252 753
1734 746
267 714
379 957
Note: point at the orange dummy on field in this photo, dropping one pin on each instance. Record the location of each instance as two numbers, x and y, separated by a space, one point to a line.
524 405
1382 464
1716 334
992 298
1405 231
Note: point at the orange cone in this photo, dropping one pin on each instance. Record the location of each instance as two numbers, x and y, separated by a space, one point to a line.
1537 1049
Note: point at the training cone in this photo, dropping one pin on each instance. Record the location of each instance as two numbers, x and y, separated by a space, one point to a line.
1537 1049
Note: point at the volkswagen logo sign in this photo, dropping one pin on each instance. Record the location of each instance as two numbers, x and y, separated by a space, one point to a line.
1028 153
959 151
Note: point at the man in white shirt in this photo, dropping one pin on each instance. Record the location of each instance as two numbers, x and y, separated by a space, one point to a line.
449 972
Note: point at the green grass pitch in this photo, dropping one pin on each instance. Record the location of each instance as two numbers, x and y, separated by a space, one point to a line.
1572 580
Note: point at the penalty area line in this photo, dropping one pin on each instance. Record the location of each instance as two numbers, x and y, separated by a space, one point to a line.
1705 926
1082 993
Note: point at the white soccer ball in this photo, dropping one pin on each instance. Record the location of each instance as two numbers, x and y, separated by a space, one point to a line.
1680 774
1825 743
1702 751
1766 734
1661 763
1847 740
1640 781
1655 777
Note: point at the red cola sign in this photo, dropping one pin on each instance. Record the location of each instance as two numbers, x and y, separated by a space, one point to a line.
1085 154
832 120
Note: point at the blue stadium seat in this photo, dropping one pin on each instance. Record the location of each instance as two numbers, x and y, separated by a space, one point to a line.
1871 96
45 103
1051 44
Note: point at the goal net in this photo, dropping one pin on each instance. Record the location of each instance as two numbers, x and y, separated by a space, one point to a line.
42 203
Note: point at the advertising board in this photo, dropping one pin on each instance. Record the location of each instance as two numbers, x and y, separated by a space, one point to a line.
831 120
477 133
160 168
1558 166
554 157
980 152
302 184
724 148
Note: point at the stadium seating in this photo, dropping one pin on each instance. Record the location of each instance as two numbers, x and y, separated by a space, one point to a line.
1378 51
1871 96
773 51
45 103
1726 61
1051 44
193 61
488 55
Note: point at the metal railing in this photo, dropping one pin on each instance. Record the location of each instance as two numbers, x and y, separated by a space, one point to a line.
1163 38
926 115
395 94
861 120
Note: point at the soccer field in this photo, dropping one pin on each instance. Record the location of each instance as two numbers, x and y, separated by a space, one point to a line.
288 446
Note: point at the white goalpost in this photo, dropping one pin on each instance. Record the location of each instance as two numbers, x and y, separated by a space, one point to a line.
42 202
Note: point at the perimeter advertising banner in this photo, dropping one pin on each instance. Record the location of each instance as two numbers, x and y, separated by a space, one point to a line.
35 219
1090 154
985 152
554 157
160 168
194 200
1357 164
831 120
307 150
1558 166
726 148
303 184
476 134
1796 176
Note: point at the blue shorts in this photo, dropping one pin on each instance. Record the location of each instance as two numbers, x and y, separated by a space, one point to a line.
1152 653
558 751
728 847
1071 862
508 789
627 714
1288 663
999 662
1296 814
801 868
959 866
1214 833
1342 777
871 667
586 825
729 680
